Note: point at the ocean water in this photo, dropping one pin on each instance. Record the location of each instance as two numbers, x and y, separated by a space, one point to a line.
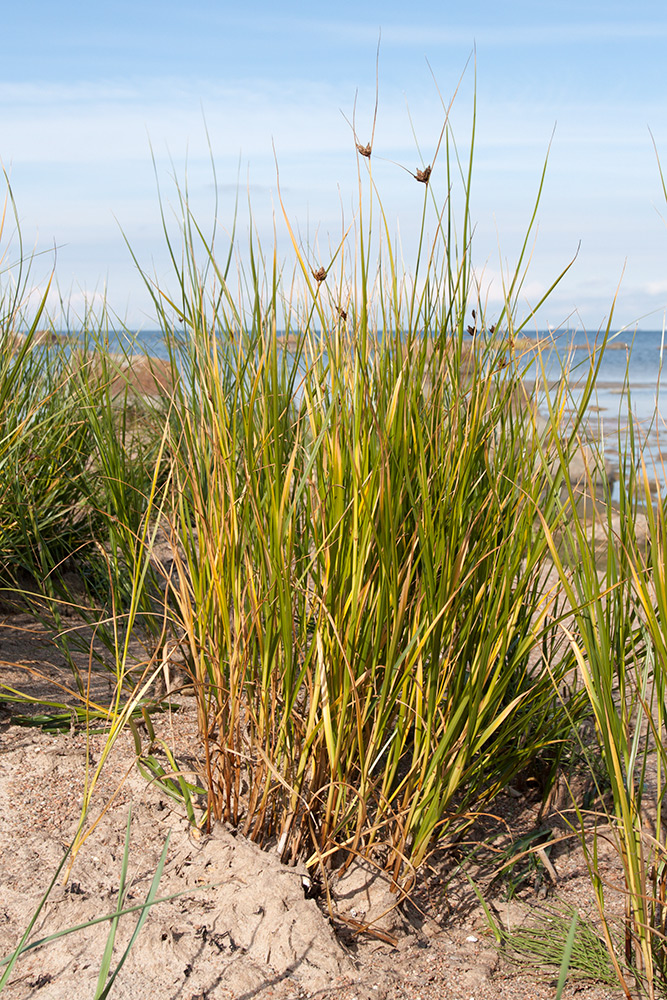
635 354
631 386
630 390
630 359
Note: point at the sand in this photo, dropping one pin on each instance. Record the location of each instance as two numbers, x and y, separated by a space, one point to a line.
239 923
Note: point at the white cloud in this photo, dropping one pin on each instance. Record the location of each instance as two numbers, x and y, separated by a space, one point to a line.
493 289
91 123
81 156
426 34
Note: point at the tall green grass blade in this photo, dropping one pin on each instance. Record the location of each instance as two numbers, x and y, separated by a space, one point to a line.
11 960
151 899
111 938
567 956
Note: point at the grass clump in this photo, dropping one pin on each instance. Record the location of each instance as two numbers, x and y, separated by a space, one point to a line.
561 939
361 578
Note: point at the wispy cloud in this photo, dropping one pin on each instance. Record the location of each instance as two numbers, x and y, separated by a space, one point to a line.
493 288
81 156
429 35
92 122
107 122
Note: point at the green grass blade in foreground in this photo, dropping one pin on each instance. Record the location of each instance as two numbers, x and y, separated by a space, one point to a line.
111 938
135 908
121 713
105 982
12 959
150 901
567 957
565 940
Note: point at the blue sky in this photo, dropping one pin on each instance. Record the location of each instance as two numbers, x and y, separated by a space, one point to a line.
87 89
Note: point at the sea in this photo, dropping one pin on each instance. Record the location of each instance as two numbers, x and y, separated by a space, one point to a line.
629 400
630 388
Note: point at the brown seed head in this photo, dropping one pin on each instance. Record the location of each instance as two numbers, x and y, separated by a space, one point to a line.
423 175
364 150
320 275
342 314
